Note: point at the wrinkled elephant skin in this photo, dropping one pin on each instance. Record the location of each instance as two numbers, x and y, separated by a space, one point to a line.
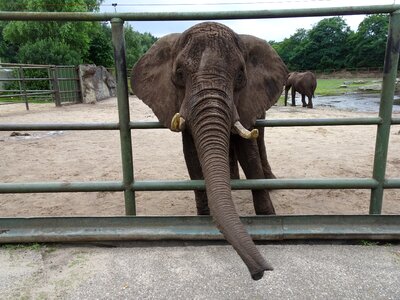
212 84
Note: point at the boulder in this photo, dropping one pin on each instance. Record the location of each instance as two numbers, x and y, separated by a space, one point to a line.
96 83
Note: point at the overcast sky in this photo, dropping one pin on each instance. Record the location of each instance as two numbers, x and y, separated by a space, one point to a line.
268 29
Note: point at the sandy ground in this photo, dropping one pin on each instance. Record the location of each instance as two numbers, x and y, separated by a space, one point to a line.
294 152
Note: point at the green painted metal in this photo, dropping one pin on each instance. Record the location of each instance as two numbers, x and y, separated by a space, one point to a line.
60 126
385 111
185 185
60 187
265 228
123 113
319 122
78 229
158 125
236 184
393 183
200 15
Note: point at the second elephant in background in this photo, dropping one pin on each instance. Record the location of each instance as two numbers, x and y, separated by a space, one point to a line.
304 83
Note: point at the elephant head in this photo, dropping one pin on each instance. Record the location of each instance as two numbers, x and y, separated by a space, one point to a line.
213 82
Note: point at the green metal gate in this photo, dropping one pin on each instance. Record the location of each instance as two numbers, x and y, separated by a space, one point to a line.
66 84
372 226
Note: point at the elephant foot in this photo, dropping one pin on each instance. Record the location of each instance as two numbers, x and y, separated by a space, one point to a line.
310 106
293 105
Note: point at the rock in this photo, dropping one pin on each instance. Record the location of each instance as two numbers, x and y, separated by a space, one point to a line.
97 83
16 133
360 82
343 86
347 82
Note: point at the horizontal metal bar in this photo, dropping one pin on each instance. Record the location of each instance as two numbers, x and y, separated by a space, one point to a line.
205 15
69 91
284 122
28 66
60 187
393 183
146 125
319 122
237 184
28 91
27 94
68 78
396 121
158 125
93 229
61 126
185 185
25 79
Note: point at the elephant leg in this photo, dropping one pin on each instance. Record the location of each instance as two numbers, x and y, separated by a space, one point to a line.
263 155
195 172
249 158
310 104
303 100
293 96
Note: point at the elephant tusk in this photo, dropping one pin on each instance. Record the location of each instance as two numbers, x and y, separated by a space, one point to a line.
177 123
244 133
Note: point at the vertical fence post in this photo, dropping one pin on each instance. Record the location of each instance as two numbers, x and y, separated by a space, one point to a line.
56 86
23 86
385 111
118 40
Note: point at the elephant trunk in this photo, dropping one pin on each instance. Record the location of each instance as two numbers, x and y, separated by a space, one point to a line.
211 127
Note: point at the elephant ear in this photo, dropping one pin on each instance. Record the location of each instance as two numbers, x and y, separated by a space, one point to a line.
266 76
151 79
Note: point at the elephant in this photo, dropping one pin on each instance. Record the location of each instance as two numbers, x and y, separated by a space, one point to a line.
305 83
211 84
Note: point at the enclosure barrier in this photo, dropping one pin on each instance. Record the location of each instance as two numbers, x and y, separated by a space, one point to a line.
62 83
57 229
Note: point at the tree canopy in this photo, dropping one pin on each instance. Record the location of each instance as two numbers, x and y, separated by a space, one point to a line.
64 43
331 44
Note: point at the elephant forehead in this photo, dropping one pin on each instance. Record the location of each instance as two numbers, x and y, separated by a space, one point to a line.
211 29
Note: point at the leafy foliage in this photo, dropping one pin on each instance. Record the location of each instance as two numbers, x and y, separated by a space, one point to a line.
331 44
64 43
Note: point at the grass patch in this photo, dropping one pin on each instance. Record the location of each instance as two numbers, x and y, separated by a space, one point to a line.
29 246
332 87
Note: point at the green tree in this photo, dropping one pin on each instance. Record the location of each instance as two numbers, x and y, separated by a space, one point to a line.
136 44
100 46
289 47
326 46
66 42
368 43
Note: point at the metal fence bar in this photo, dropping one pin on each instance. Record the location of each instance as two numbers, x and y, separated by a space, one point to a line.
200 15
158 125
61 126
373 226
123 113
60 187
187 185
78 229
385 111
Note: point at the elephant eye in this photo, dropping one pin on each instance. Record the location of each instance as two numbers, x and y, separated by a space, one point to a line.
240 80
178 77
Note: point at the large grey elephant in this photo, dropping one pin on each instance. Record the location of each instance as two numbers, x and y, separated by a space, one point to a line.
212 84
304 83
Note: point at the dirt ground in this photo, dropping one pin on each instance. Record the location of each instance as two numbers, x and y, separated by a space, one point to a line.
294 152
